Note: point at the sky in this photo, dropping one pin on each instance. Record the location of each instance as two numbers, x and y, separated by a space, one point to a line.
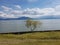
29 8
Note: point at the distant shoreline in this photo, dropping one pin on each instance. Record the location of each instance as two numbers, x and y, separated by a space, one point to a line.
25 19
30 32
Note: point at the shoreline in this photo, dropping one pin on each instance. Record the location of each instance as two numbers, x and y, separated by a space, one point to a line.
24 32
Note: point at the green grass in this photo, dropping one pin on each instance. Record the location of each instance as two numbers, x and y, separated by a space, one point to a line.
36 35
37 38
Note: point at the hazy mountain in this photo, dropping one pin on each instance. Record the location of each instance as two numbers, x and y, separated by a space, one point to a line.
23 18
49 17
41 17
20 18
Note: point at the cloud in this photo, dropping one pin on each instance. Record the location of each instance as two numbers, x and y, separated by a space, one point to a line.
5 15
2 14
32 0
6 8
56 2
18 6
57 8
30 12
48 11
16 12
38 11
10 16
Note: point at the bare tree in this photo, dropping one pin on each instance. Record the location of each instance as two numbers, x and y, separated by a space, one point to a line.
32 24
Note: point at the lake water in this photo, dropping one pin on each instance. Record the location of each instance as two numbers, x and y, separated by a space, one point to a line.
19 25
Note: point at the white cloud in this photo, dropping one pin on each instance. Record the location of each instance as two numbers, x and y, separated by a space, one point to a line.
18 6
5 15
2 14
57 13
57 8
6 8
10 16
17 12
30 12
56 2
38 11
48 11
32 0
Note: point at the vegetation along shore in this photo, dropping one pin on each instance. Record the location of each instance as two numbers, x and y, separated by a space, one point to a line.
31 38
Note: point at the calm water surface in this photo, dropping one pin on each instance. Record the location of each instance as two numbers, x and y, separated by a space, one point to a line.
19 25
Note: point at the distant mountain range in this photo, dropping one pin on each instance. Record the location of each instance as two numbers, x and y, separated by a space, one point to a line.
20 18
41 17
49 17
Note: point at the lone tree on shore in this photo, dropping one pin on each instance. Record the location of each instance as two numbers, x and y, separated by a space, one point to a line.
32 24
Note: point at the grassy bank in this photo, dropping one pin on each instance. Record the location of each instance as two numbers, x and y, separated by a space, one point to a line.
36 38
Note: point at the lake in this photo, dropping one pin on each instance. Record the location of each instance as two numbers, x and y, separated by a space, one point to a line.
19 25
